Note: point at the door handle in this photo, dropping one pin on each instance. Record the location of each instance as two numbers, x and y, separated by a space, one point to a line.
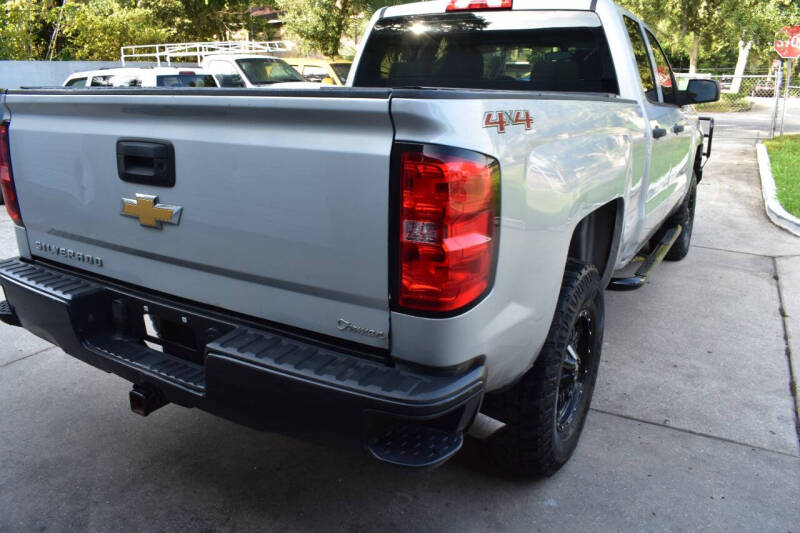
659 132
145 161
678 128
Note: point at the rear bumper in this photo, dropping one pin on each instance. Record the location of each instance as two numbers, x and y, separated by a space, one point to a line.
265 379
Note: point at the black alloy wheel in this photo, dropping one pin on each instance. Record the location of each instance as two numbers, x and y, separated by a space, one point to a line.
574 369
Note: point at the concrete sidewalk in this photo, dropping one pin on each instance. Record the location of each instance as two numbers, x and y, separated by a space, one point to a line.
693 424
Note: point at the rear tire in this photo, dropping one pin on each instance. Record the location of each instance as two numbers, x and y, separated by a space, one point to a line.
545 411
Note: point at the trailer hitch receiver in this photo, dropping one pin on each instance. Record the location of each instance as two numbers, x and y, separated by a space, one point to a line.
146 399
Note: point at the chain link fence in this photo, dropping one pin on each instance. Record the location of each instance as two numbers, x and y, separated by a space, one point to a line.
750 106
739 93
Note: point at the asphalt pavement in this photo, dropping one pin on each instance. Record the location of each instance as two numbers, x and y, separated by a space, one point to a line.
694 425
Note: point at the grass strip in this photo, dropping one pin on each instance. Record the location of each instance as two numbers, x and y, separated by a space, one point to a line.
784 155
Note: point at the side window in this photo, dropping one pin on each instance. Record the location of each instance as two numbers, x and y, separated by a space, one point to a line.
125 81
663 71
101 81
642 59
77 82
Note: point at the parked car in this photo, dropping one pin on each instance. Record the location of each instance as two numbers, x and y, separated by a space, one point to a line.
370 265
142 77
242 70
763 88
322 70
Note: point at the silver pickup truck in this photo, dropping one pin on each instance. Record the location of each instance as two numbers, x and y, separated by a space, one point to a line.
373 264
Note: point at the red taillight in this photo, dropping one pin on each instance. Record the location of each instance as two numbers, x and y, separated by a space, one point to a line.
468 5
7 178
447 228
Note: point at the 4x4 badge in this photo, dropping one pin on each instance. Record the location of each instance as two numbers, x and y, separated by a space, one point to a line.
149 212
503 119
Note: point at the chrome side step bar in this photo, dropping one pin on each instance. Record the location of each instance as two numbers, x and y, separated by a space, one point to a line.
638 280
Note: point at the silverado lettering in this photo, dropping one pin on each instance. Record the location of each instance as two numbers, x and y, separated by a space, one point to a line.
68 253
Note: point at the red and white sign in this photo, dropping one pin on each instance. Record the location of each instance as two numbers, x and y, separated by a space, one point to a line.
787 42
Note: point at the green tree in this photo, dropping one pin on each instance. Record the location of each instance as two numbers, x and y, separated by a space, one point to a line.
96 30
716 30
25 27
320 24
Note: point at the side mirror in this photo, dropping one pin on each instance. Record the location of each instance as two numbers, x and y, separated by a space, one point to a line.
700 92
231 80
327 80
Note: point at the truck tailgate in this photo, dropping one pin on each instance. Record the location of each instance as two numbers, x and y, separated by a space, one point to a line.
284 199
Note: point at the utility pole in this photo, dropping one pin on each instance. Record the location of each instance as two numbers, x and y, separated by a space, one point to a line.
786 93
777 96
51 48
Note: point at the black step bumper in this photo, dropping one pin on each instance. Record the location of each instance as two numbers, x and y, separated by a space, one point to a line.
260 377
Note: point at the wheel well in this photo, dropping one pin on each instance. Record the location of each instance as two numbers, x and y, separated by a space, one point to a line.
596 238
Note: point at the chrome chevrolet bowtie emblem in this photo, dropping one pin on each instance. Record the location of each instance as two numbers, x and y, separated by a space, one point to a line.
149 212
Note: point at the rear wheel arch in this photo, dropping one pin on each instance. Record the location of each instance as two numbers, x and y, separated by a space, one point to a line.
597 236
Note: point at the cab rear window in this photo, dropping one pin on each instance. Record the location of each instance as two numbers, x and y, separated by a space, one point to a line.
76 82
508 50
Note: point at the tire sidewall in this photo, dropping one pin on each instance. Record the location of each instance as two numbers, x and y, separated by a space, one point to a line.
590 298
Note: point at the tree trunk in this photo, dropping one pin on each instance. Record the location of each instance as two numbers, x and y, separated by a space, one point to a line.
741 64
695 53
344 7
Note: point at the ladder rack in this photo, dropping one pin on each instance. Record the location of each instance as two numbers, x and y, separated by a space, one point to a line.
165 53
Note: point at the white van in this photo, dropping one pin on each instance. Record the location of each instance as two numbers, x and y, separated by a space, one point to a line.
251 70
142 77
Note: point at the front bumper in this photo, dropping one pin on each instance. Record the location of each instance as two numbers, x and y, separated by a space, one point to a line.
250 373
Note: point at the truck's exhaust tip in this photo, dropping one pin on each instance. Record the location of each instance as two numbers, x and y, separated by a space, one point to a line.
145 400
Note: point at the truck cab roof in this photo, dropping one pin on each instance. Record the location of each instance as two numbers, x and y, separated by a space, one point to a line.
141 77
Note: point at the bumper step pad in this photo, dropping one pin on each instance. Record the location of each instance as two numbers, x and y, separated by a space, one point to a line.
47 280
131 352
335 369
7 314
415 446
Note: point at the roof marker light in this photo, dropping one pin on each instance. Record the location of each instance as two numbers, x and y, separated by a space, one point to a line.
469 5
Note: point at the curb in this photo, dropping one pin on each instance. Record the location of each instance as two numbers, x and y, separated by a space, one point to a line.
775 211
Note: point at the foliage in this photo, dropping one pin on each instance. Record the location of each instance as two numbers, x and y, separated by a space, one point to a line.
97 29
784 154
320 24
718 24
25 27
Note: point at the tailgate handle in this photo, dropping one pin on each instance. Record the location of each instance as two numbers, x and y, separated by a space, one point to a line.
146 161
